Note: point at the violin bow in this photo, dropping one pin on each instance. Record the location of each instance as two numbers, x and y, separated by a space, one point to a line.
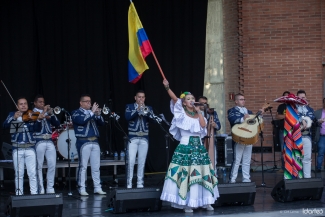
9 94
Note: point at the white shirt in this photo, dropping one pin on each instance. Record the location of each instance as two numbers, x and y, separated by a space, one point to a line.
244 111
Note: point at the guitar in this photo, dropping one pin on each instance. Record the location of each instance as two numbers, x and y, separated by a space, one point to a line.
247 132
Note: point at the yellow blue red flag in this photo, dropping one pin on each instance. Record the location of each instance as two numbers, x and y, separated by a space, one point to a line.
139 46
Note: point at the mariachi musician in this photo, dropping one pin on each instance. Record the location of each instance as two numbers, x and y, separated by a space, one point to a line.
137 115
297 140
238 115
213 126
85 121
44 144
306 117
23 144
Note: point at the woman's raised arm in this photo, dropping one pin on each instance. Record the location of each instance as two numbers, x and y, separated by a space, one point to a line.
169 91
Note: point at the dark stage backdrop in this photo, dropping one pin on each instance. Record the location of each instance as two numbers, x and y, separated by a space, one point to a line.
62 49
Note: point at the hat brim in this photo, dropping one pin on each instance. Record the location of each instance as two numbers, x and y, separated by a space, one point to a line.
291 99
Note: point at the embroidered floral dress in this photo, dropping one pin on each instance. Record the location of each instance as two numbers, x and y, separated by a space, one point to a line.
190 180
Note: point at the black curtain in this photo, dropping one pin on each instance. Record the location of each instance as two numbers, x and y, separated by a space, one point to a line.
62 49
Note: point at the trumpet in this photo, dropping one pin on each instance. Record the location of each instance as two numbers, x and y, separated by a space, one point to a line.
144 110
57 110
105 110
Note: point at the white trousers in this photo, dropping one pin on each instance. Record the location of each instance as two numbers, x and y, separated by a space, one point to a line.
242 153
140 146
89 151
25 156
306 161
46 148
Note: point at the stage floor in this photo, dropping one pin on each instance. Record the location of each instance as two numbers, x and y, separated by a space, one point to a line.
96 205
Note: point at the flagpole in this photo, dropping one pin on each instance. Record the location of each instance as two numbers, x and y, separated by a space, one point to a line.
154 56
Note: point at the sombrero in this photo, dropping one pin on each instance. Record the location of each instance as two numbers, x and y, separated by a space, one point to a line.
291 99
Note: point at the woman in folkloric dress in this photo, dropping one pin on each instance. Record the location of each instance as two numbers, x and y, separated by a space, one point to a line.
190 181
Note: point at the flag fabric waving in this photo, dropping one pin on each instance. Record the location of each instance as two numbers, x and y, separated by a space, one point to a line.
139 46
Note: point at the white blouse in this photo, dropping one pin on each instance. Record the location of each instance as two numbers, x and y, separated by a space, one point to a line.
182 125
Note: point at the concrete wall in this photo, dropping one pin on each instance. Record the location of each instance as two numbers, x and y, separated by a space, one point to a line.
214 76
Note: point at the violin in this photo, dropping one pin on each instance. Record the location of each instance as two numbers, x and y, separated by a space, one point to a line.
29 115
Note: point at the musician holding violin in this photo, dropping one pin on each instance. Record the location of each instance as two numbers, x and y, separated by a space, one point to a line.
44 144
23 144
213 126
85 121
215 123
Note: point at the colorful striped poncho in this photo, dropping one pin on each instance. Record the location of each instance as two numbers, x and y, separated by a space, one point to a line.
293 147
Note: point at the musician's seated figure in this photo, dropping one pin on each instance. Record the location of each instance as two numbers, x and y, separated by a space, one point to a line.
306 116
238 115
215 121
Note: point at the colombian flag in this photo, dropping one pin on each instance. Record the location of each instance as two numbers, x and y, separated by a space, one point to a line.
139 46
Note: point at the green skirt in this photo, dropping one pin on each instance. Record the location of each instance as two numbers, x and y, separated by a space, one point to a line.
191 165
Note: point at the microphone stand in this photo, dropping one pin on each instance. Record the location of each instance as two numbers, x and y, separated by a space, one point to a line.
263 185
274 135
167 137
109 134
126 158
108 138
69 167
15 126
1 182
126 141
167 142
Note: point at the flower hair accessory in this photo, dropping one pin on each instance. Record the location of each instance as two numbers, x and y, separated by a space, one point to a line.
184 94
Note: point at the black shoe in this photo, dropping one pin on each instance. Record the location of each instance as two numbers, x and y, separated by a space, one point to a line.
318 170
